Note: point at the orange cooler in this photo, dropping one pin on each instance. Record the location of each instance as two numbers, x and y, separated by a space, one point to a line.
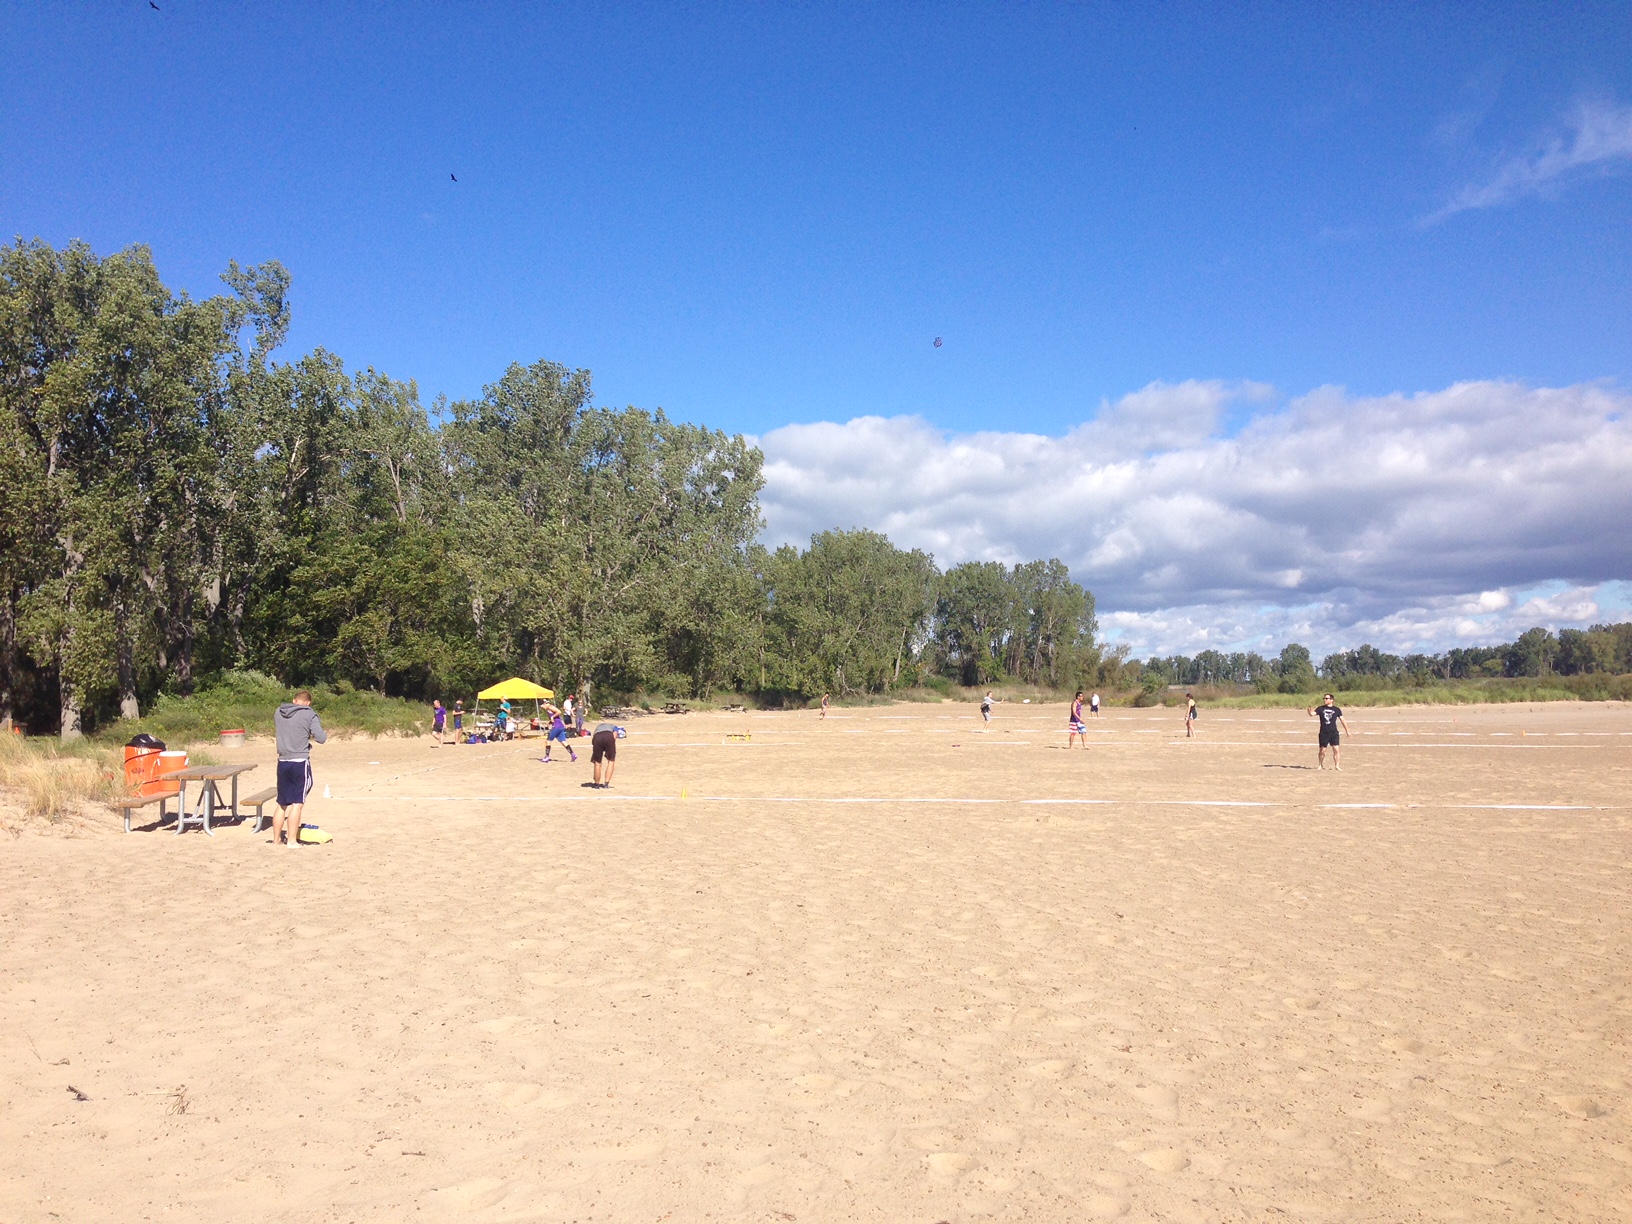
165 762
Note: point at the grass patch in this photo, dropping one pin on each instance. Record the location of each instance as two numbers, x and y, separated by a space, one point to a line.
248 699
50 780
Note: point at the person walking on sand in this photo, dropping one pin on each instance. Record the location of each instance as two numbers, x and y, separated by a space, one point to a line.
603 750
297 727
439 720
1331 718
1189 716
1093 705
458 721
986 706
1076 726
823 714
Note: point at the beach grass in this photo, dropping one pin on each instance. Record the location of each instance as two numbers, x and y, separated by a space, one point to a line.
50 779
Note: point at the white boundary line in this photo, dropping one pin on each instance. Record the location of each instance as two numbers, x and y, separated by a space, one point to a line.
1198 741
879 799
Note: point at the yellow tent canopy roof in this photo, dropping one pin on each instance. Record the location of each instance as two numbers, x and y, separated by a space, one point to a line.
514 689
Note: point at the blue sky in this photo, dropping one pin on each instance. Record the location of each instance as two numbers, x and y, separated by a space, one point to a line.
762 215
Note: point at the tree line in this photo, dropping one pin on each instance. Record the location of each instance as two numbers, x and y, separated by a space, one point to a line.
181 504
1600 650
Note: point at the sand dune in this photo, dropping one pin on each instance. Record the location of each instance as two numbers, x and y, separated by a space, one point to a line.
894 966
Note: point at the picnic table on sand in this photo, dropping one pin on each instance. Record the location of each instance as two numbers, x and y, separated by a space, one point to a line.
210 797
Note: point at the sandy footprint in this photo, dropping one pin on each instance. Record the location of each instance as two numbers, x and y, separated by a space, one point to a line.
1165 1160
949 1164
1581 1106
478 1195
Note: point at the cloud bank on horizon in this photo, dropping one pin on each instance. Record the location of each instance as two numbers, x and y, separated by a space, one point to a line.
1414 522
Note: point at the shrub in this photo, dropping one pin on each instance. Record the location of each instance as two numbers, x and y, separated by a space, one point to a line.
247 699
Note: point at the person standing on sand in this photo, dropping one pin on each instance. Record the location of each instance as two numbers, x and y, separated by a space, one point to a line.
439 720
297 727
1077 728
823 714
1189 716
1093 705
986 706
557 734
1331 718
603 748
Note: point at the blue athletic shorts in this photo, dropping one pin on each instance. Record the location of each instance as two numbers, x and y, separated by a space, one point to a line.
294 782
558 734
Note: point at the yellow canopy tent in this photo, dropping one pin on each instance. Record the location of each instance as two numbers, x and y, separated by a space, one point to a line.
516 689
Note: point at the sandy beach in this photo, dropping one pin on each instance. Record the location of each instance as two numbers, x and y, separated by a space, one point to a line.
894 966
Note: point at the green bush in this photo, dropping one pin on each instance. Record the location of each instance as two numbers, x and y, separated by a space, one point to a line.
247 700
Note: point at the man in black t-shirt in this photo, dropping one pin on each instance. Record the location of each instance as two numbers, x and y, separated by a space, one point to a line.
1331 718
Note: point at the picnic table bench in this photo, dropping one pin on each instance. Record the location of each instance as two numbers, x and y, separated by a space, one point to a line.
258 801
134 803
210 796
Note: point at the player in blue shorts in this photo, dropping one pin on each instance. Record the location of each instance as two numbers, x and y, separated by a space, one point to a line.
297 727
557 734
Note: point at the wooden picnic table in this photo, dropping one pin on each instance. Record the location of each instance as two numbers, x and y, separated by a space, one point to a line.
210 796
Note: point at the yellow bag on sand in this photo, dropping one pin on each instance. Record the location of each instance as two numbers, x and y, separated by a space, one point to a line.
311 835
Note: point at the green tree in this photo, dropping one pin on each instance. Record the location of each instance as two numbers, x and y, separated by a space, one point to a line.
107 381
978 613
1532 654
1295 670
846 614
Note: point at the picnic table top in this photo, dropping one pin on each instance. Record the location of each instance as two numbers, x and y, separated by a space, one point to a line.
206 773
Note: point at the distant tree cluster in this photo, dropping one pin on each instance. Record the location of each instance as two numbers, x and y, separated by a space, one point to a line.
180 504
1603 649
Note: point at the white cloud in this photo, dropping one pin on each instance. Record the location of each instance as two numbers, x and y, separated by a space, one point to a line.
1324 519
1600 135
1426 626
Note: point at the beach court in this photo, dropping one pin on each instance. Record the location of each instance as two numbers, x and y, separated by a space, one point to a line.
896 965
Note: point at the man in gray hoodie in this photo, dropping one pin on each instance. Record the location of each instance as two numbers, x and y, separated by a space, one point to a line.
298 728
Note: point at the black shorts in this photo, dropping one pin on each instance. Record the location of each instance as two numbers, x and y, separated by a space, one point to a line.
603 746
1328 739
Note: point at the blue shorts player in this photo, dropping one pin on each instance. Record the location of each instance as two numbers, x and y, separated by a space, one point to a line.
557 734
298 728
